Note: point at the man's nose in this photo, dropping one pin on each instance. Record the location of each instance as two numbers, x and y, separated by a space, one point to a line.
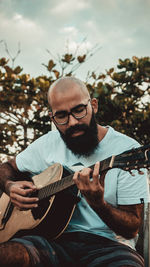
72 120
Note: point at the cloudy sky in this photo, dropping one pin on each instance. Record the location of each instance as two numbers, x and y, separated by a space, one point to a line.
120 28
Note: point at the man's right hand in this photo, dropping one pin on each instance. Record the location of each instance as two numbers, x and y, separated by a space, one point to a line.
20 194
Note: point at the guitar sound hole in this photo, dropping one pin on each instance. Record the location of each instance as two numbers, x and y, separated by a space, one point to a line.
39 212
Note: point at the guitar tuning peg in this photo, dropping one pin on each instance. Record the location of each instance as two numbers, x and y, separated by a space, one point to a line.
140 172
131 173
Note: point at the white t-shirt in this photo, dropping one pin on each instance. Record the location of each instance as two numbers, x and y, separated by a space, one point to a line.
121 188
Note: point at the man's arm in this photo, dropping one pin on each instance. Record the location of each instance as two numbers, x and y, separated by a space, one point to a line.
124 220
8 172
16 185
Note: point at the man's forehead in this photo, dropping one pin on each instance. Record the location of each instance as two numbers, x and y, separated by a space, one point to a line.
67 103
67 92
66 86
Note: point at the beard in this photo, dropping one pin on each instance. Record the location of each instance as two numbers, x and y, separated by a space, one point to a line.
85 144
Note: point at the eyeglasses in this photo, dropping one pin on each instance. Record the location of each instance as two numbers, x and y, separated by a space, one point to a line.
78 112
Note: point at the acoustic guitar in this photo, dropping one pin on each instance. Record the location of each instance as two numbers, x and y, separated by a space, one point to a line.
58 196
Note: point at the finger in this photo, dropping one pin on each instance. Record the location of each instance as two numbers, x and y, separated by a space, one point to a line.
22 202
24 206
85 175
78 181
25 184
102 178
22 187
96 172
76 177
19 191
22 199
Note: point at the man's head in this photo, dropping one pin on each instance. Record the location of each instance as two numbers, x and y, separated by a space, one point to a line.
73 113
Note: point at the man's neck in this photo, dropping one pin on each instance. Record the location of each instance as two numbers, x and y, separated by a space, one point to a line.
101 132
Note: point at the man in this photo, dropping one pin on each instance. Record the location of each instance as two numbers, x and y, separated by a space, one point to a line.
104 226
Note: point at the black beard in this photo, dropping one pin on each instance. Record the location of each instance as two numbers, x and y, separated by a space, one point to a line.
85 144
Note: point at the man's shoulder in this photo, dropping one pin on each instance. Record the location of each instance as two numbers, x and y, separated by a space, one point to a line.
120 141
124 137
49 136
45 141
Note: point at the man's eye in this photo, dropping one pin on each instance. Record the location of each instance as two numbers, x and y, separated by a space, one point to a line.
61 115
79 109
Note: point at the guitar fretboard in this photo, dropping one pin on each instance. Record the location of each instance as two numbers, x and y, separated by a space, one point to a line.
55 187
67 181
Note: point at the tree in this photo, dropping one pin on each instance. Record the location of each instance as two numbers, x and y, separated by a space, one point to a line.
123 96
24 113
23 104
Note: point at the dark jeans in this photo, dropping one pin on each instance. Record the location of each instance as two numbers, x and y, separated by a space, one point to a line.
78 250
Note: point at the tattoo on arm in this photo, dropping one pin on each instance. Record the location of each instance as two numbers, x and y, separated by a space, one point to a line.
9 171
124 220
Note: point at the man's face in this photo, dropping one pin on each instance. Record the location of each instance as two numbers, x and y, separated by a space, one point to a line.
85 143
79 135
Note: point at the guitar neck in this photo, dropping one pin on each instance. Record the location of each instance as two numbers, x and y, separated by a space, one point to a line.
135 158
67 181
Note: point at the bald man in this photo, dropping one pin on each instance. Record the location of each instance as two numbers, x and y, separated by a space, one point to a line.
104 224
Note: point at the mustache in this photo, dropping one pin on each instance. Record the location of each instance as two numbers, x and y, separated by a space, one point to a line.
73 129
84 144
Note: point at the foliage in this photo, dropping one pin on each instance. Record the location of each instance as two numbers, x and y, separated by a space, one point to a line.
24 112
123 99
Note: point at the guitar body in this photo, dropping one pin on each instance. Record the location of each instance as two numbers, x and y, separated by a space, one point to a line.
49 219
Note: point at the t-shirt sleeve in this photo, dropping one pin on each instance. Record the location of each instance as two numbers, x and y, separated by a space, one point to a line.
133 189
32 159
27 159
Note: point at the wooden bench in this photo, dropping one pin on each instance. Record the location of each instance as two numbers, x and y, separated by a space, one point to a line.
143 244
146 241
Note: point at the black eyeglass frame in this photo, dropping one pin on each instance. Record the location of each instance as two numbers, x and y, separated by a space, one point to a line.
71 113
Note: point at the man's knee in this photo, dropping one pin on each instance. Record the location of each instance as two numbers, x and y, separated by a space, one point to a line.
14 254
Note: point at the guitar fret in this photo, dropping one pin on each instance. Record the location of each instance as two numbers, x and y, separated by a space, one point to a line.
105 164
53 188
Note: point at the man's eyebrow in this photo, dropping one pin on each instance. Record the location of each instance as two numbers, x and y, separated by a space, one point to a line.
61 111
80 105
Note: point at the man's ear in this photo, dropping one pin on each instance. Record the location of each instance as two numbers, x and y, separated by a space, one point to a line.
94 103
51 114
53 125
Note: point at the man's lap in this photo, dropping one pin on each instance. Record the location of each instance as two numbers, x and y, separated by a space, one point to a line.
79 249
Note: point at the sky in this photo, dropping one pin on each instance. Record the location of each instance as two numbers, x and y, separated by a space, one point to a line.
119 28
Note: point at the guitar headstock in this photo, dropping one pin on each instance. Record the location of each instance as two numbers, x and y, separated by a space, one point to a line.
134 159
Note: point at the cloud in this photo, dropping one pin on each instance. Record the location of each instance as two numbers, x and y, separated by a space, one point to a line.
81 47
71 30
24 24
68 7
120 28
18 28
